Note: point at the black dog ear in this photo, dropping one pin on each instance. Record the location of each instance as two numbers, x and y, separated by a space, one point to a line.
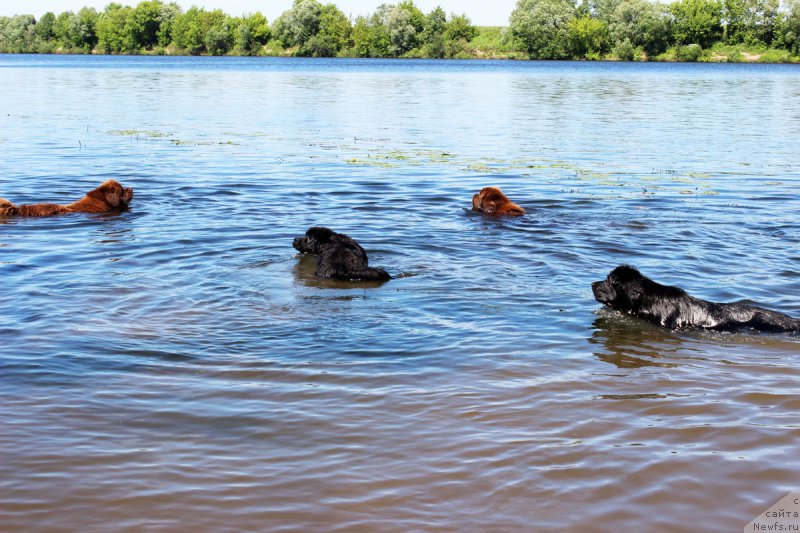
320 234
624 274
319 230
604 292
315 238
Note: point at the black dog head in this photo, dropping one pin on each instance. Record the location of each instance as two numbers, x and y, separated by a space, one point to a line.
315 239
623 289
627 290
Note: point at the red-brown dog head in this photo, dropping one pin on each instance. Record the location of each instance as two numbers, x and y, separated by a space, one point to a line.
113 195
491 200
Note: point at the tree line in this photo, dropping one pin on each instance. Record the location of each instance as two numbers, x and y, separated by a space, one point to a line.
641 29
687 30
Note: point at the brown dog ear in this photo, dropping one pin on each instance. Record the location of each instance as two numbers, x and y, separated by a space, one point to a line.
97 194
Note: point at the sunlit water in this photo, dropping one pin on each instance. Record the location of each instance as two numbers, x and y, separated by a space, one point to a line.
178 366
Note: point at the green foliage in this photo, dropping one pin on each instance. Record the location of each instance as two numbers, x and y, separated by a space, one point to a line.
643 24
401 26
251 33
370 37
18 33
686 30
298 24
775 56
458 32
394 31
459 28
218 35
144 23
588 37
625 51
112 29
333 36
147 26
417 17
432 37
45 27
199 31
750 22
600 9
494 39
168 14
689 53
63 27
77 32
697 21
542 27
790 31
186 31
314 29
84 30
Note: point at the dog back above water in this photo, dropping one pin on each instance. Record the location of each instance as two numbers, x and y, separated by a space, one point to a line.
108 197
492 201
338 256
627 290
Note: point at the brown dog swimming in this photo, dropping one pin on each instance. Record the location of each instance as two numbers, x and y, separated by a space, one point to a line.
492 201
110 196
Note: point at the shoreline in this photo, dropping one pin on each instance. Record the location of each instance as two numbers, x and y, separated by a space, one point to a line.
733 56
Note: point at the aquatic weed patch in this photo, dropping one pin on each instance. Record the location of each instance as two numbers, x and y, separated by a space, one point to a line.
171 138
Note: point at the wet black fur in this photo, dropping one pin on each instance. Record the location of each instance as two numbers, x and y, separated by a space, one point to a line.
338 256
627 290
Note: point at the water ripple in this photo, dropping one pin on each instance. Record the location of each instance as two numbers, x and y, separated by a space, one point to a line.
179 366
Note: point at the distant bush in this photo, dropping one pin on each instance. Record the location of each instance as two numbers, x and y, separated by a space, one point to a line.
775 56
690 52
625 51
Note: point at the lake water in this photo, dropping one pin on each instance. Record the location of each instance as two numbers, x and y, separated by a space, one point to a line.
179 367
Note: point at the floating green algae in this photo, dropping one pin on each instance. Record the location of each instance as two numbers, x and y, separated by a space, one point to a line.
139 133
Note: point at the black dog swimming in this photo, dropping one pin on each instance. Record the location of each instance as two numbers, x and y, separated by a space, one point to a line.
627 290
338 256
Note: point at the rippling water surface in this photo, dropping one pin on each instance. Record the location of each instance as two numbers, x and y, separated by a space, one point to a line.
178 366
